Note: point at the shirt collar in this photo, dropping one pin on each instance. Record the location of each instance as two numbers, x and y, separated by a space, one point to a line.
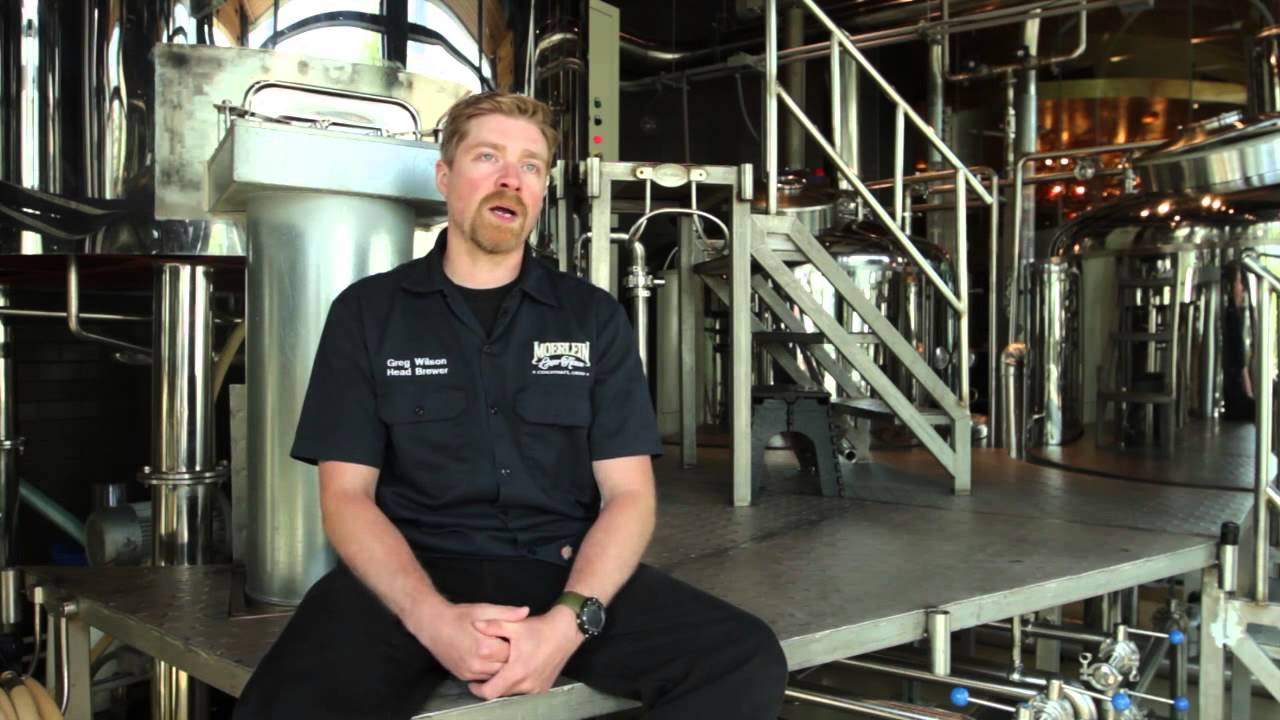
427 275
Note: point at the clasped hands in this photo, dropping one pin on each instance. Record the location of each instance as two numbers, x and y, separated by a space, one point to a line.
498 650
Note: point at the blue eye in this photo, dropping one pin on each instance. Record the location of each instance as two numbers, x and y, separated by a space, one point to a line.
532 168
486 156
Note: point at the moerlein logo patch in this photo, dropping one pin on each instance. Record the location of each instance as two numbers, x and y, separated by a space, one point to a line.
561 358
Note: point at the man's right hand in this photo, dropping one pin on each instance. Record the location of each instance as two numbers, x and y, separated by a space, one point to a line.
449 633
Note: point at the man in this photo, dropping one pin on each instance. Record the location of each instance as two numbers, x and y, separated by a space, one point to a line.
483 432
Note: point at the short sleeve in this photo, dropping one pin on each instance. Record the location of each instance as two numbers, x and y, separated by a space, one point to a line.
339 419
623 422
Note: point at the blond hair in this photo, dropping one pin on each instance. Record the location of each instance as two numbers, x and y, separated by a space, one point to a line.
457 119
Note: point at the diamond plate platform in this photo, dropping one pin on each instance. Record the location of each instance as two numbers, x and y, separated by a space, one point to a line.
1212 455
834 577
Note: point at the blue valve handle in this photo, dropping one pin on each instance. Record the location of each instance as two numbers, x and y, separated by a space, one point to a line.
960 698
1121 702
1177 637
1181 704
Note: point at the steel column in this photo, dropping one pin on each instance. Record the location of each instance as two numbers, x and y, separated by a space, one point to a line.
10 443
690 327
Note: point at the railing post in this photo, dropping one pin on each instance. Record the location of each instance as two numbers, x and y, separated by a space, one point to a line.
962 282
1265 354
899 161
771 104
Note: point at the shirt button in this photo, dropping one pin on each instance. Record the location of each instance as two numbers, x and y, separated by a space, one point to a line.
493 409
488 349
504 472
419 411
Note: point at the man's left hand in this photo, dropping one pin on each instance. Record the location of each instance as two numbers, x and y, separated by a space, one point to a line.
540 647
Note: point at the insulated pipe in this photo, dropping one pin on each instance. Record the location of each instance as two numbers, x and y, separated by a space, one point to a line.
638 284
1012 363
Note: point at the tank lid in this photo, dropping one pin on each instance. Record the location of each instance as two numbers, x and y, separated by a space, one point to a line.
1223 154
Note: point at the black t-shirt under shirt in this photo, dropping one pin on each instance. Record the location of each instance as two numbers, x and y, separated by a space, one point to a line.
485 303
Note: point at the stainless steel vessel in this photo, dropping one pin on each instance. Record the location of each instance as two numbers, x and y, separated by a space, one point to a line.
879 268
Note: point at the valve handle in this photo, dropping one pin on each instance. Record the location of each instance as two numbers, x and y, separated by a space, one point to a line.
960 697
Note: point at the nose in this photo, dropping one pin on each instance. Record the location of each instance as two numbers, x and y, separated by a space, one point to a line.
509 177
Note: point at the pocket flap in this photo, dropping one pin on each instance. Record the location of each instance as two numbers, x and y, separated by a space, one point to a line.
421 405
560 406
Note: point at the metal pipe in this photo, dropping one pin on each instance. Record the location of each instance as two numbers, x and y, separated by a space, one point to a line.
1229 557
939 627
61 518
794 82
879 38
861 707
1264 387
962 283
850 143
899 160
994 411
73 312
835 69
1031 62
934 140
987 686
62 314
1015 256
934 90
771 104
10 443
1055 633
182 475
1012 363
639 286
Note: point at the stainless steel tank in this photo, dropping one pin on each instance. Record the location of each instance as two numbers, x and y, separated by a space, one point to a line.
798 197
1175 250
1054 391
872 258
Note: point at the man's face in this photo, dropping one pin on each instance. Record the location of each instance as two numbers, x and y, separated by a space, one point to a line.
495 187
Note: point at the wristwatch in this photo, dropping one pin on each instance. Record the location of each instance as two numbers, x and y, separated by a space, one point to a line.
589 610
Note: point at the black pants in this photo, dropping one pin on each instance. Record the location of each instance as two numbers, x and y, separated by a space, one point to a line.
678 650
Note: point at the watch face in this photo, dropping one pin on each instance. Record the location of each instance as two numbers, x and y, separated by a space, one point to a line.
591 618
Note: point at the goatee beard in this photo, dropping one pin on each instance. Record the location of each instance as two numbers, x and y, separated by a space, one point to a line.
494 237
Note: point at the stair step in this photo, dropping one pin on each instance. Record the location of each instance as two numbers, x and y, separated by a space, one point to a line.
875 408
1148 398
1143 336
1145 282
785 337
805 338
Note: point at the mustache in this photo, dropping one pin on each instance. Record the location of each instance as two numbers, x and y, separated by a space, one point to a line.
504 197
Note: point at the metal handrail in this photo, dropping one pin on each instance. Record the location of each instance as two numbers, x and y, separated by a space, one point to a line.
1264 496
840 35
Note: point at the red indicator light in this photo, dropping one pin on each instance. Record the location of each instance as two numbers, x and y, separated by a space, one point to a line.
597 139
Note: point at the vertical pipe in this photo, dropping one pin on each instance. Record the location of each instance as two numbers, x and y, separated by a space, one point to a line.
899 159
850 150
1229 557
744 235
771 103
939 626
1016 649
640 291
10 443
1012 362
1264 388
1208 379
794 83
993 315
835 68
962 277
182 475
690 337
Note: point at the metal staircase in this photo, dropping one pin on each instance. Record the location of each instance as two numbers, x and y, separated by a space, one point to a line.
758 264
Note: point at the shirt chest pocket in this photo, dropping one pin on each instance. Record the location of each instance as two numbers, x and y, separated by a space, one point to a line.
553 431
422 426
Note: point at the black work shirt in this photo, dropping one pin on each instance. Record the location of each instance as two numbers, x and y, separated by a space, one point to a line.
484 441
